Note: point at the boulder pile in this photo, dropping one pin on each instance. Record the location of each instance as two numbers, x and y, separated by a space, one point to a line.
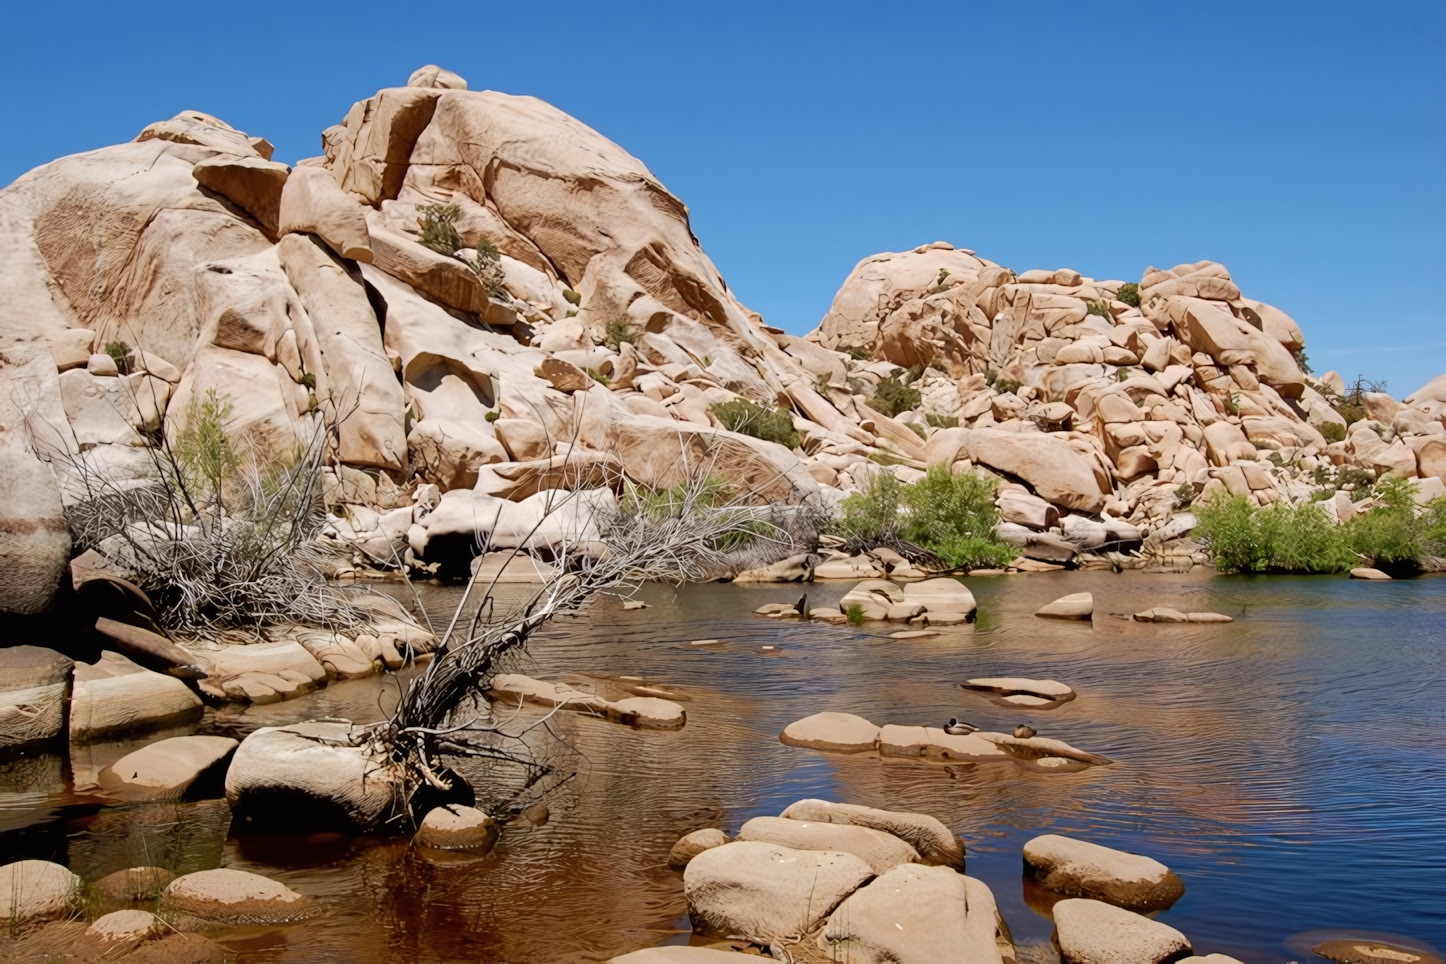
486 299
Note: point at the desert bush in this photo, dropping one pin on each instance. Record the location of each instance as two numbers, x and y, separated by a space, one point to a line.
855 614
1332 431
618 331
952 517
438 223
1302 361
1129 293
858 353
747 418
894 396
1101 308
488 267
120 353
942 421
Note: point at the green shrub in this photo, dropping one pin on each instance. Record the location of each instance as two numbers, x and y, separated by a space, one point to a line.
1232 404
746 418
1302 361
597 376
120 353
492 416
439 228
1333 432
894 396
919 431
1129 293
855 614
942 421
308 380
618 331
1184 495
571 297
858 353
488 268
1246 538
1101 308
952 516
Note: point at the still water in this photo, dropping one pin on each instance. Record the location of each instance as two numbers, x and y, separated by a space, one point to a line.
1290 767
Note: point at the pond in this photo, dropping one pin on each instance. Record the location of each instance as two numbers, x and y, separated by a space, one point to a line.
1289 766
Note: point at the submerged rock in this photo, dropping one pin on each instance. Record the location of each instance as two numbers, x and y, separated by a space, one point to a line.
677 954
1370 952
36 890
692 844
455 827
840 732
933 743
232 898
1080 605
125 925
134 885
764 892
1367 573
1078 868
1047 689
1093 932
1161 614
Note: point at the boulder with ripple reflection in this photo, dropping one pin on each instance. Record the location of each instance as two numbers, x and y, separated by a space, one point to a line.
882 851
917 915
1093 932
1078 868
933 841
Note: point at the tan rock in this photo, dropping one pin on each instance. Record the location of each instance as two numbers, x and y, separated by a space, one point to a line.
252 183
692 844
34 690
227 897
564 377
32 891
1078 868
1049 689
165 770
455 827
125 925
1054 469
764 892
882 851
1365 572
311 203
930 838
934 744
916 915
116 696
840 732
1079 605
1092 932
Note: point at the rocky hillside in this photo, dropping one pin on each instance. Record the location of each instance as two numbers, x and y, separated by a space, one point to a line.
480 294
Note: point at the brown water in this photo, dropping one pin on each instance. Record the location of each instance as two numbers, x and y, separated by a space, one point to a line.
1290 767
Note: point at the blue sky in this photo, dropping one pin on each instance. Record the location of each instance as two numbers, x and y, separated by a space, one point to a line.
1301 144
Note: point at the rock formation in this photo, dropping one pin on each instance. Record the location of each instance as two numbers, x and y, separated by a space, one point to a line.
577 335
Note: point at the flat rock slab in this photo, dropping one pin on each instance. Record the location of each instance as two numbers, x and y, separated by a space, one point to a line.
165 770
933 743
1370 952
1036 747
1365 572
1078 868
1093 932
36 890
1161 614
1018 685
912 634
1079 605
648 712
839 732
881 850
677 955
232 898
929 838
1024 699
941 595
763 892
252 667
915 915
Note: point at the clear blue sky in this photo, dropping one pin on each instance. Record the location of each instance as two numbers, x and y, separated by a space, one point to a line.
1301 144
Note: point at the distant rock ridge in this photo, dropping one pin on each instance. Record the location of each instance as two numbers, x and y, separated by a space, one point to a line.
597 345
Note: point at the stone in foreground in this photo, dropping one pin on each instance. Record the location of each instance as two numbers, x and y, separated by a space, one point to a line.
455 827
915 915
930 838
763 892
1368 952
880 850
167 769
677 955
1366 572
125 925
1093 932
933 743
36 890
1079 605
840 732
232 898
1014 685
34 689
117 696
692 844
1078 868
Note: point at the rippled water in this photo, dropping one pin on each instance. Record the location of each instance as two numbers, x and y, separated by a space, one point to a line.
1290 767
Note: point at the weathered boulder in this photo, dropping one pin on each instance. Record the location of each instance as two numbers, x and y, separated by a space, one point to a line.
167 770
764 892
35 687
252 183
116 696
133 885
1055 470
676 954
841 732
1078 868
916 915
311 774
125 925
692 844
1369 574
311 203
232 898
1079 605
941 595
1017 685
930 838
33 891
933 743
1092 932
455 827
879 849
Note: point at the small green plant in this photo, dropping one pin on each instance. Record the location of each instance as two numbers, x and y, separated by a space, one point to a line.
858 353
597 376
1232 403
1129 293
1184 495
308 380
492 416
894 396
1124 374
1101 308
1007 386
747 418
952 516
488 268
439 228
1245 538
618 331
942 421
820 385
938 365
571 297
205 455
919 431
1333 432
855 614
120 353
1302 361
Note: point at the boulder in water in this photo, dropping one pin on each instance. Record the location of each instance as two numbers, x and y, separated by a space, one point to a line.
1093 932
1078 868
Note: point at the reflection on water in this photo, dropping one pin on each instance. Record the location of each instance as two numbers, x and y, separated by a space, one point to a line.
1289 767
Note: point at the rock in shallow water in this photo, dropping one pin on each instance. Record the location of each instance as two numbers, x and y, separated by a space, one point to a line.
1078 868
34 690
36 890
1093 932
693 844
455 827
763 892
930 838
1079 605
882 851
840 732
915 915
677 955
168 769
125 925
232 898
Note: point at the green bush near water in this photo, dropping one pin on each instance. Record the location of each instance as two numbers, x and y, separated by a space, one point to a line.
747 418
952 516
1280 538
